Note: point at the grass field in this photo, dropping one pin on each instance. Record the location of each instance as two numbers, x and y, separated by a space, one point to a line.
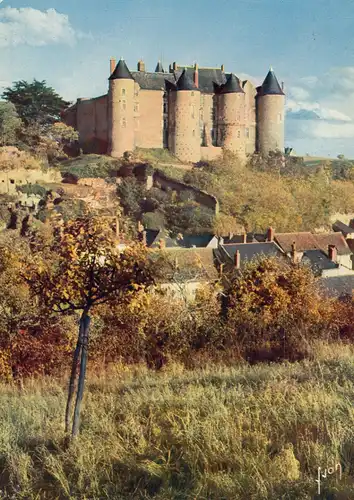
218 433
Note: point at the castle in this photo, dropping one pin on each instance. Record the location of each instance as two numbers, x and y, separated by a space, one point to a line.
192 111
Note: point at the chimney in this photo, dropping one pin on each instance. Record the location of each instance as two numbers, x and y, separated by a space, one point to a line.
237 259
270 234
244 238
223 68
282 86
162 244
230 235
332 253
141 65
143 238
293 252
112 65
174 66
196 75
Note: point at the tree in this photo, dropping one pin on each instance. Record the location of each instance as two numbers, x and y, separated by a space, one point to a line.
9 124
81 268
37 104
275 308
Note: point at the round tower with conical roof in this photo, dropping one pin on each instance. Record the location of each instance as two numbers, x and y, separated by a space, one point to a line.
270 105
231 113
120 111
184 122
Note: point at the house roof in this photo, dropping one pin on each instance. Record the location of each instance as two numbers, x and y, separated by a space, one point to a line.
238 238
207 78
153 81
270 85
231 86
185 82
318 261
195 240
121 72
337 286
154 236
188 264
248 251
336 239
303 241
340 226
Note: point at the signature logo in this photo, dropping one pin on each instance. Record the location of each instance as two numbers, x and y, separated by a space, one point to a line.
329 472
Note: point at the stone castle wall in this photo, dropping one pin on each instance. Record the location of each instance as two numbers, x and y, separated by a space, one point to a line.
270 119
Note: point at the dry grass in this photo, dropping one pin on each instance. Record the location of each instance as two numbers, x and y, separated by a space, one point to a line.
218 433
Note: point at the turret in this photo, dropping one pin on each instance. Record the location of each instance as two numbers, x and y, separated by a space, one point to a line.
159 68
270 103
231 116
120 111
184 105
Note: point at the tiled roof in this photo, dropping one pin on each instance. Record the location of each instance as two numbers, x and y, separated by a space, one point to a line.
121 72
249 251
337 239
340 226
154 237
195 240
303 241
231 86
188 264
152 81
270 85
207 78
337 286
318 261
185 82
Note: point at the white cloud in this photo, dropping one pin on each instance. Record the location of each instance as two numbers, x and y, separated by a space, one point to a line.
321 111
325 130
34 27
299 93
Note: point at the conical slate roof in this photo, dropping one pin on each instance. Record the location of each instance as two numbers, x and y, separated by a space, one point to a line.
185 82
271 85
159 68
232 85
121 72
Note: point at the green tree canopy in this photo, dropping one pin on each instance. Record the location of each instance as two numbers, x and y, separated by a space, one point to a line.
36 103
9 123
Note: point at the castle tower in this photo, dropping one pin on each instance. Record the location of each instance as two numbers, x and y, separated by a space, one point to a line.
159 68
231 116
120 111
184 123
270 102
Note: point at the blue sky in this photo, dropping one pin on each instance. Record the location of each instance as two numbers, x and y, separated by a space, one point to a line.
309 43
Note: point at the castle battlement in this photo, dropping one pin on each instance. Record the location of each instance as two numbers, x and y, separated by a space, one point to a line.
193 111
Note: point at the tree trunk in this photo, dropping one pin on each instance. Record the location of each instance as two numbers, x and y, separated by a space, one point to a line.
80 390
74 367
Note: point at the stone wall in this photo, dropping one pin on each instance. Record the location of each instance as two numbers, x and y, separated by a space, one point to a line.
202 197
270 121
149 119
20 177
92 124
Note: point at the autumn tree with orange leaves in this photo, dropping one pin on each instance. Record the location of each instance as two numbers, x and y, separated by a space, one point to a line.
80 268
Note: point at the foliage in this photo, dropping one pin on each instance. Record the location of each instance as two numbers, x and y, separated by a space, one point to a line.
274 309
36 189
188 218
86 166
12 158
36 103
279 191
9 124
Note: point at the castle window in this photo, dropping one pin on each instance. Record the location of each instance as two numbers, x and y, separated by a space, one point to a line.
165 108
193 133
280 118
123 91
124 123
238 134
124 106
192 93
136 108
247 132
